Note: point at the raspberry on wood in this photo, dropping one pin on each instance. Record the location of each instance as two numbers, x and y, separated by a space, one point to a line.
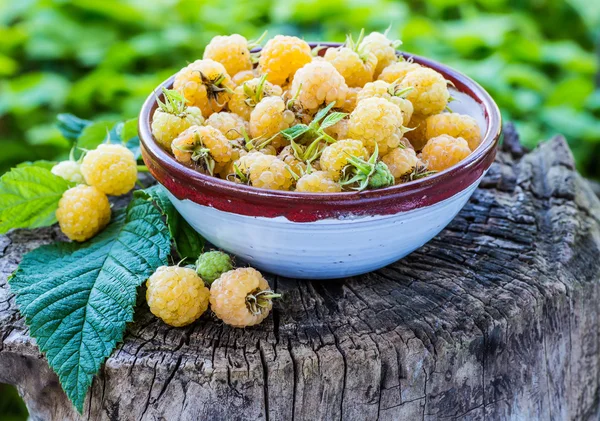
83 211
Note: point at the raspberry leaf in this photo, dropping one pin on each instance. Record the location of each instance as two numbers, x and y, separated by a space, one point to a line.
40 163
188 243
295 132
96 133
332 119
29 197
71 126
77 298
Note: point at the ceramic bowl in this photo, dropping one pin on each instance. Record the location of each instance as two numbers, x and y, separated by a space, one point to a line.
322 235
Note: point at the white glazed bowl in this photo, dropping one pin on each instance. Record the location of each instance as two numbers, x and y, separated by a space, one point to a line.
319 235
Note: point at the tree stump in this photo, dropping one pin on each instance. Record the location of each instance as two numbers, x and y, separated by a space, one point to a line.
496 318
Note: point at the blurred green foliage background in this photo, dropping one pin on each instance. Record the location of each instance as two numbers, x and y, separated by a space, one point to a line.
100 58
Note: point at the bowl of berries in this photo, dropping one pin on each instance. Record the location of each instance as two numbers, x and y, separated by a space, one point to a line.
318 160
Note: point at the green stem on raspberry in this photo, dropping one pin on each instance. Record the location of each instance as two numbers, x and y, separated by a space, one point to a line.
142 168
253 43
257 300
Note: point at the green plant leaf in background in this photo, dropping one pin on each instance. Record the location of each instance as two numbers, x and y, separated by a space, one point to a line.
77 298
188 243
29 197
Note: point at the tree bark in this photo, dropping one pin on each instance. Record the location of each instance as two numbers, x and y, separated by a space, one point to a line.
496 318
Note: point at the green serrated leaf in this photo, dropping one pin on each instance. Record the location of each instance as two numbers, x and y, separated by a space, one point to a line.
95 134
29 197
71 126
77 298
295 131
130 138
322 113
188 243
332 118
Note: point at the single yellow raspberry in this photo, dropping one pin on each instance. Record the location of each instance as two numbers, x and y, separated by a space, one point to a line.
69 170
231 51
282 56
176 295
204 84
376 121
335 156
203 145
455 125
241 297
264 171
231 125
444 151
319 83
401 161
172 117
430 91
250 93
391 92
268 118
318 182
243 76
395 72
354 64
83 211
110 168
382 47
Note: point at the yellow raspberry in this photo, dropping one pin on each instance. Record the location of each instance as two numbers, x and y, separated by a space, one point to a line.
349 103
354 64
382 47
83 211
226 171
69 170
319 83
376 121
250 93
287 155
176 295
268 118
417 132
395 72
110 168
335 156
430 91
401 161
244 76
318 182
381 89
204 84
203 145
455 125
241 297
444 151
265 171
231 125
339 130
282 56
231 51
172 117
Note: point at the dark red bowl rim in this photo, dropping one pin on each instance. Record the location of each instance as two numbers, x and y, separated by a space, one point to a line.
161 163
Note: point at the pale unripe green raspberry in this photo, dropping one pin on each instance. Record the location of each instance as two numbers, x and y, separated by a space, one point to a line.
110 168
176 295
241 297
70 171
166 126
82 212
212 264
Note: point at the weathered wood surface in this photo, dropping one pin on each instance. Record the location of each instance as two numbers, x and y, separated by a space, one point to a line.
496 318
